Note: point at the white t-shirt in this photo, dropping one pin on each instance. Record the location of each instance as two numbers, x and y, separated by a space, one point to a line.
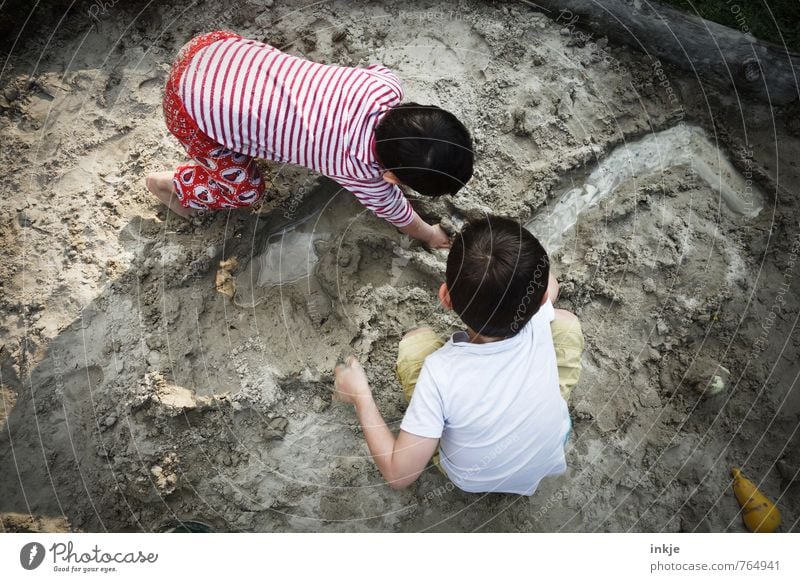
496 408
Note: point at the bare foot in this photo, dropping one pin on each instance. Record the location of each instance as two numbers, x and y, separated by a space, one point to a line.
160 185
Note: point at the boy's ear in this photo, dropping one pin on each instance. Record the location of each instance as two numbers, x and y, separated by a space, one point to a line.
444 297
391 178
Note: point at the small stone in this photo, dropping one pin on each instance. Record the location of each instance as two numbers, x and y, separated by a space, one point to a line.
24 220
716 386
318 404
110 420
276 428
786 471
564 31
649 285
153 358
649 398
11 94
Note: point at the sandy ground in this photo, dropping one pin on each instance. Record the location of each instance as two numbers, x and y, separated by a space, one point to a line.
136 395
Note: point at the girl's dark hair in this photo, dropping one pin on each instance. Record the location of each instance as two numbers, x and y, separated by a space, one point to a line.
497 274
426 147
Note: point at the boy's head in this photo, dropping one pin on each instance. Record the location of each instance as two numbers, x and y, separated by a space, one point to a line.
425 147
497 276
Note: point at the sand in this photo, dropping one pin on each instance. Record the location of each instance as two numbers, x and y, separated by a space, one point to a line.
137 395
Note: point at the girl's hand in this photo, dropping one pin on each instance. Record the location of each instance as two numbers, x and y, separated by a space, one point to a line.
350 382
438 238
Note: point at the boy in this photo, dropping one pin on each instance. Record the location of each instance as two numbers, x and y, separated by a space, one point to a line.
493 398
230 100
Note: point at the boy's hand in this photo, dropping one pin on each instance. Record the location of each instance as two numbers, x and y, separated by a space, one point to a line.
438 238
350 383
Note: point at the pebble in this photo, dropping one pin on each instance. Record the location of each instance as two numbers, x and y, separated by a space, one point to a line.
11 94
24 220
110 420
318 404
649 285
564 31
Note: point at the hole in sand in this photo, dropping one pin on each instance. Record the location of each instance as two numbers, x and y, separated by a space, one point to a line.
289 255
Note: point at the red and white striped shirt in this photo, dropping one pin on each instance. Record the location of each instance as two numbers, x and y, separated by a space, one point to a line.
259 101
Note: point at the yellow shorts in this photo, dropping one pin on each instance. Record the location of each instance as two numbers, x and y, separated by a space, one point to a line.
411 354
567 339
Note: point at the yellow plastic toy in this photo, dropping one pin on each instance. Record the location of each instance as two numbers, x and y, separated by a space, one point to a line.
758 513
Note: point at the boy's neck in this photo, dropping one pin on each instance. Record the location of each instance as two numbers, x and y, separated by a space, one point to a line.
476 338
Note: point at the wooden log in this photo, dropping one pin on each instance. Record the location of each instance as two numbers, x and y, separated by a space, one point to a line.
730 59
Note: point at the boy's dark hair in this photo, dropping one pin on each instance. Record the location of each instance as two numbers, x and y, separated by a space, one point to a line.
497 275
426 147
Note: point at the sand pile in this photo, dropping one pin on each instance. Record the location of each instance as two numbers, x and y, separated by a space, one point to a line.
137 394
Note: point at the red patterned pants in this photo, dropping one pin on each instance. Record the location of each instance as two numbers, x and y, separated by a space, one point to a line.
220 178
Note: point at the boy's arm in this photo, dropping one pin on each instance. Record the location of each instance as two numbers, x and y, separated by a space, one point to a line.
400 460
